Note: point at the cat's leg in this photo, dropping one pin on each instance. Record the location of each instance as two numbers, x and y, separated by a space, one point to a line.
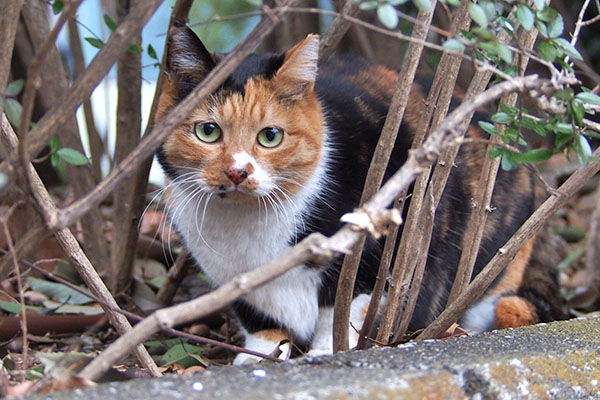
322 342
285 307
267 341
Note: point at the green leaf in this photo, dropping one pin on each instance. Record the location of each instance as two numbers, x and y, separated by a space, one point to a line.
454 3
561 139
152 52
505 53
58 291
54 144
510 110
477 14
578 110
15 87
533 156
508 162
540 4
541 26
368 5
255 3
112 25
72 156
526 16
547 50
502 118
568 48
489 128
97 43
495 152
388 16
489 9
556 26
15 308
571 234
583 149
135 48
54 160
453 45
423 5
527 123
58 6
180 354
588 97
13 111
539 129
562 127
592 134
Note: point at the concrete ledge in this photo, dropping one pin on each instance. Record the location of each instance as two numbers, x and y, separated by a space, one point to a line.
548 361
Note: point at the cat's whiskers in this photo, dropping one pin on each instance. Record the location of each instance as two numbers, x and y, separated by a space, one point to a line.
158 199
199 228
297 212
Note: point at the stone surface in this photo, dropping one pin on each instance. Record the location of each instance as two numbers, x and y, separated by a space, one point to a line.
548 361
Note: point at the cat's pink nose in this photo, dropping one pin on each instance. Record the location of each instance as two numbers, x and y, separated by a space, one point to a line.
237 175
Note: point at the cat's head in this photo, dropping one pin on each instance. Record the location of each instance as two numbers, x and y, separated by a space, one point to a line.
260 134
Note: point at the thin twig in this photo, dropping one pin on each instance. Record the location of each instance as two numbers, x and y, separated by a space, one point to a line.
375 174
437 103
13 255
176 274
129 127
483 197
9 18
337 29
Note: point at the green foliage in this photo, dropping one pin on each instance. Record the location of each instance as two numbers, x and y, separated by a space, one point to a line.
177 351
12 107
57 6
58 291
65 154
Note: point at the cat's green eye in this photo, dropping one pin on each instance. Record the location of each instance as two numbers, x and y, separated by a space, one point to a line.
270 137
208 132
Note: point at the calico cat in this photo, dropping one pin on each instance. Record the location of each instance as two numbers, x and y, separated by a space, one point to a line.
281 150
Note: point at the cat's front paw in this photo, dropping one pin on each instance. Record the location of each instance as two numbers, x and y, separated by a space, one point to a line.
319 352
265 342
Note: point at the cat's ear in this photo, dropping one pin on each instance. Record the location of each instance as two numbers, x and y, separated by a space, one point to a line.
188 61
300 62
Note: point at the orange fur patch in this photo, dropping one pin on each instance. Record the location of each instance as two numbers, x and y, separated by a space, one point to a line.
514 311
272 335
513 275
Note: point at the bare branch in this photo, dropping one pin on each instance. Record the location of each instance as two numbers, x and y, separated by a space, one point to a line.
9 18
337 29
379 162
129 127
